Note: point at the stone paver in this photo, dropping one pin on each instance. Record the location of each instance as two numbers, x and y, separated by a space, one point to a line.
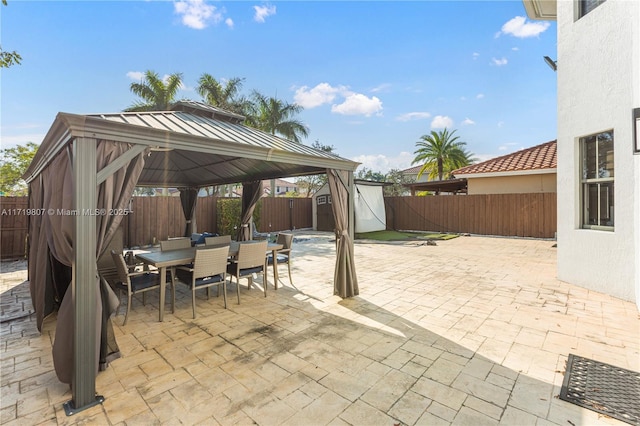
472 331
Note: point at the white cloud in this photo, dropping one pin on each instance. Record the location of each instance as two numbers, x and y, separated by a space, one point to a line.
475 55
468 122
323 93
515 49
196 14
229 22
262 12
382 163
499 62
135 75
480 96
384 87
500 123
413 116
351 104
441 121
358 104
519 27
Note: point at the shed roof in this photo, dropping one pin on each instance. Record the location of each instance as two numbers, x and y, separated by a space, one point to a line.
191 146
538 159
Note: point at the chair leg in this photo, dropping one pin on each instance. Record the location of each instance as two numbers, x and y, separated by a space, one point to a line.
173 297
238 287
289 267
224 291
126 315
144 300
265 283
193 299
173 290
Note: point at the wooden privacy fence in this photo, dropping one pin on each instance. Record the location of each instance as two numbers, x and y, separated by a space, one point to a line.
157 218
162 217
13 226
518 215
521 215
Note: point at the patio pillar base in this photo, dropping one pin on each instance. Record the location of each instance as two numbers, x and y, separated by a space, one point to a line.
70 408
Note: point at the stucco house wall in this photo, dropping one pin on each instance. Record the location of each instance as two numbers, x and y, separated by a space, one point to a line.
598 86
519 184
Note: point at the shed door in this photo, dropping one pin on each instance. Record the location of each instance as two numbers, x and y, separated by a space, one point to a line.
325 213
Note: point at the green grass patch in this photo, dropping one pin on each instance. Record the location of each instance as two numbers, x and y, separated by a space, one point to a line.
390 235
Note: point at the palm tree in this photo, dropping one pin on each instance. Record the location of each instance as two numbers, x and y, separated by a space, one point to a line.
223 96
157 94
277 117
441 153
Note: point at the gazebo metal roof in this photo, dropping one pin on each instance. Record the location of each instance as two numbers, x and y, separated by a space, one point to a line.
192 149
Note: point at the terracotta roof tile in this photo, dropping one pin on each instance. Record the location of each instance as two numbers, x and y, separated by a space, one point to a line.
538 157
412 170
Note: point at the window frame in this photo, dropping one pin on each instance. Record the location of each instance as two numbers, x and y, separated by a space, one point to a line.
584 9
601 182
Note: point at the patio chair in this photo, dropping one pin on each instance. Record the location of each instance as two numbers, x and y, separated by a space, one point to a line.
133 282
175 244
209 269
284 254
217 241
251 259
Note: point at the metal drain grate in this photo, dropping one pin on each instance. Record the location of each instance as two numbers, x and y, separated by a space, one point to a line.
603 388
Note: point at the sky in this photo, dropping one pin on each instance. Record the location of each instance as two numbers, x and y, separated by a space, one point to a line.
372 76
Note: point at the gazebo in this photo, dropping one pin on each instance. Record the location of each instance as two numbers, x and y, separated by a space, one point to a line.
83 176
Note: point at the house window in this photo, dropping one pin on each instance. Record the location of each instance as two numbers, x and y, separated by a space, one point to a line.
586 6
596 152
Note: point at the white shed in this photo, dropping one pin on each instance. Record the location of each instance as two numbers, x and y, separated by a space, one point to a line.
368 205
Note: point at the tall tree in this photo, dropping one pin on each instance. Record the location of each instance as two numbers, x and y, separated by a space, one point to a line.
398 180
13 163
277 117
440 153
157 94
225 96
8 59
368 174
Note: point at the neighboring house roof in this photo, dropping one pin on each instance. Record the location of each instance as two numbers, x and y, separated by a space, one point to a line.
535 160
412 170
454 186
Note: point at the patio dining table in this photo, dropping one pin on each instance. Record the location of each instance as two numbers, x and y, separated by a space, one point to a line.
169 258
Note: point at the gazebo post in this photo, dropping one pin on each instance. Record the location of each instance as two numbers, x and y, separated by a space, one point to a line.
352 207
84 275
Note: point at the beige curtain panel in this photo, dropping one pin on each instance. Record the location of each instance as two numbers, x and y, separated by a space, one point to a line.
51 248
345 281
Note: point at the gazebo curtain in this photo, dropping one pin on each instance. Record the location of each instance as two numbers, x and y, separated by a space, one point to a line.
345 280
188 200
54 234
251 193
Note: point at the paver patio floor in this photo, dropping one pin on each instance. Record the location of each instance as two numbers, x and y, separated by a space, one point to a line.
472 331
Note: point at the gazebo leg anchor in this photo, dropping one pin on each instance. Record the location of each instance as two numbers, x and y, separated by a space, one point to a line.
70 409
